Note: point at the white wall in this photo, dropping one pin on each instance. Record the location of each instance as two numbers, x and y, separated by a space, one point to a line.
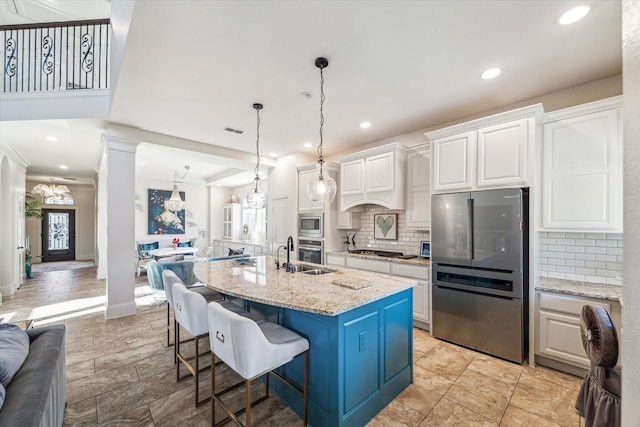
12 177
631 291
196 212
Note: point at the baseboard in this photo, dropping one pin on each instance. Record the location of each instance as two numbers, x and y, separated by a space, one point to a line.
101 273
560 366
120 310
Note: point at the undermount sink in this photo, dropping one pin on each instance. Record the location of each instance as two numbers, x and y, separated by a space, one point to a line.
317 271
309 269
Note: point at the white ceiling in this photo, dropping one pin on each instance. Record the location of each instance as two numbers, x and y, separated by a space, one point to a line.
192 68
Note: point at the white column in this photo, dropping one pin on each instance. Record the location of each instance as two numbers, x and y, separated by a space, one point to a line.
119 197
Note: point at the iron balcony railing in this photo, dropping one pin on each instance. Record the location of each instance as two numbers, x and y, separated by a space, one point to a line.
55 56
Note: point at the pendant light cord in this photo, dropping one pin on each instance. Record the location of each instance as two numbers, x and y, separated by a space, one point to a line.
321 113
257 142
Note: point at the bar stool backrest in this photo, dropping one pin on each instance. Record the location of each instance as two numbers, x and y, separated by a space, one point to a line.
168 279
190 310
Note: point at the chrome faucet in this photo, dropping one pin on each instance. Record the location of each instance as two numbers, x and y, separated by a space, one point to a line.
289 248
278 255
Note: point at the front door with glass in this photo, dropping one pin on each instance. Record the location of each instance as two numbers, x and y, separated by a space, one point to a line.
58 235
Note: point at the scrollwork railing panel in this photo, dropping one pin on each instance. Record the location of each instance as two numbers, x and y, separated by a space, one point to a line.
55 57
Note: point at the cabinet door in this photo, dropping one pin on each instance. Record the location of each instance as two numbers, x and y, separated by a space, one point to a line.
420 301
380 173
352 191
453 162
502 154
348 220
304 203
418 191
582 173
559 338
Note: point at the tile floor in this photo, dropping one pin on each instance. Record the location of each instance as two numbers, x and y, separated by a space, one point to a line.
120 371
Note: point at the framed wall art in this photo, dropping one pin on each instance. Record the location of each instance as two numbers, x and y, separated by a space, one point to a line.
385 226
162 220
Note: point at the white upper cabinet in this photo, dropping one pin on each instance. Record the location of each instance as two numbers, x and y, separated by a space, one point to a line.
418 187
453 162
304 176
582 168
373 176
502 154
304 203
492 152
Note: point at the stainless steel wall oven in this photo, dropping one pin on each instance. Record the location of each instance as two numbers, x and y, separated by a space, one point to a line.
311 251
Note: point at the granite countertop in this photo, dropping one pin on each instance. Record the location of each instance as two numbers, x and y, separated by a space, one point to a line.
584 289
414 261
263 283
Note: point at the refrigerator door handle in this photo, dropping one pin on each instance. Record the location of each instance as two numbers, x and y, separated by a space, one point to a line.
470 229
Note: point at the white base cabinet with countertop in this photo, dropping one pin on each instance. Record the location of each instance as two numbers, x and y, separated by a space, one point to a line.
558 341
413 270
221 247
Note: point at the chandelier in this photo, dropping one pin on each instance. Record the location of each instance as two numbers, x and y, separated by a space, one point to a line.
321 186
257 198
175 202
53 190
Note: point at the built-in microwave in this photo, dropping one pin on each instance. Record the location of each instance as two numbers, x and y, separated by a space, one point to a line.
311 224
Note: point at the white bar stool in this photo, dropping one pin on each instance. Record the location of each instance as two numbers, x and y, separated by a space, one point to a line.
169 277
252 349
190 309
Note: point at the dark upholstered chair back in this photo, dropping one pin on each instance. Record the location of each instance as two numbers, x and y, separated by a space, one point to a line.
599 397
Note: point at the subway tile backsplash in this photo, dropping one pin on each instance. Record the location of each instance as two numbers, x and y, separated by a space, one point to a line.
408 241
586 257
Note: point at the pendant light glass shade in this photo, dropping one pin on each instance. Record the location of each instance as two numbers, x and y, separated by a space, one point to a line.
321 186
256 198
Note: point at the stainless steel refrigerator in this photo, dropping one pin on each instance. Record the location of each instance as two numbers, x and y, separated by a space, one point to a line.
480 263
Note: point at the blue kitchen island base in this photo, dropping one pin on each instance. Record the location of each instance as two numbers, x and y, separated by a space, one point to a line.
359 360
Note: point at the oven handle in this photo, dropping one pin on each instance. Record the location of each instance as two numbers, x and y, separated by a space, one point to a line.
310 248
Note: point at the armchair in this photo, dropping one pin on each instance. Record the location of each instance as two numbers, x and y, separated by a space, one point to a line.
143 256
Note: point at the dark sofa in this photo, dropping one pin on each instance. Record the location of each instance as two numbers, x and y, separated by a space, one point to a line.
37 393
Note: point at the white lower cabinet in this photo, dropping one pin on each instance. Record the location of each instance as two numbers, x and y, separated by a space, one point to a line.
337 260
558 332
421 292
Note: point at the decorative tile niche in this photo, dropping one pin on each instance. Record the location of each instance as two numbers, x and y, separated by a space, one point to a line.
585 257
408 241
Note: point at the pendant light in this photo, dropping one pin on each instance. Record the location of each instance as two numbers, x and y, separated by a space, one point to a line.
257 198
175 203
321 186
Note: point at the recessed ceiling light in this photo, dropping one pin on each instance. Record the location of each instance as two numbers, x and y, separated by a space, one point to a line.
308 144
273 154
365 125
52 139
574 15
64 167
491 73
